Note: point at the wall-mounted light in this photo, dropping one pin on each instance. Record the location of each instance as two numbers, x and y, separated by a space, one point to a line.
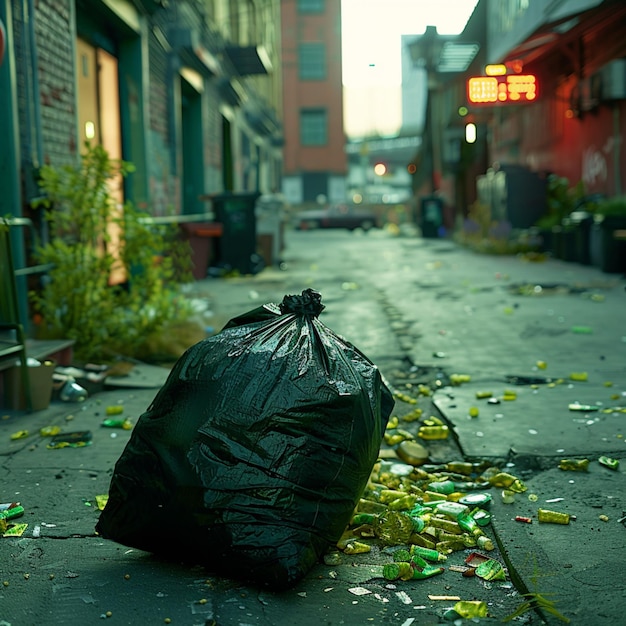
470 133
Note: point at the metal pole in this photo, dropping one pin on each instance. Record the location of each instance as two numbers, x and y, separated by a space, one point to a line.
617 141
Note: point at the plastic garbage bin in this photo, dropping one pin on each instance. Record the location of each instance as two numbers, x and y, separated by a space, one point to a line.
237 247
431 216
201 237
270 214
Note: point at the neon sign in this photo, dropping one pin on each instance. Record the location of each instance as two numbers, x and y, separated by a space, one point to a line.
508 89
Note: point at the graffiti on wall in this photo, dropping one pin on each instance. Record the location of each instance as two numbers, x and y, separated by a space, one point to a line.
594 165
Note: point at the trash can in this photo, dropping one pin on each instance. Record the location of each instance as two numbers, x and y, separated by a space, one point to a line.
237 246
40 374
270 214
576 233
201 237
431 216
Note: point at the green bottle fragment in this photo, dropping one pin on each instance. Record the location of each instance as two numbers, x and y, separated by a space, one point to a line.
469 609
452 509
579 376
369 506
553 517
448 525
418 523
585 408
423 541
394 528
359 519
482 500
426 553
391 571
12 512
485 543
417 561
405 571
508 481
582 330
404 503
574 465
401 555
481 517
470 485
125 424
444 486
491 570
607 461
419 573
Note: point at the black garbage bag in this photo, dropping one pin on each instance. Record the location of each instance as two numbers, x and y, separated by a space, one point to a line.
253 455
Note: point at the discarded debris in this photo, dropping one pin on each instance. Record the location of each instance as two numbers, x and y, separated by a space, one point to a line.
124 424
553 517
612 464
15 530
359 591
586 408
76 439
459 379
574 465
49 431
491 570
578 376
469 609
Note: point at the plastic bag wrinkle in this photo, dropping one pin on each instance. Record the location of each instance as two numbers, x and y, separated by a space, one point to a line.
257 448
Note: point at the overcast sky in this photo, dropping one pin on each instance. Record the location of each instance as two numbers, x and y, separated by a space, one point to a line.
371 31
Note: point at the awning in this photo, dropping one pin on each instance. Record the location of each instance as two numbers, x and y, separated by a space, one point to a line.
186 42
249 60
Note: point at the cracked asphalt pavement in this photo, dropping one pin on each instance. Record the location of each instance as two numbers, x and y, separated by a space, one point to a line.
533 338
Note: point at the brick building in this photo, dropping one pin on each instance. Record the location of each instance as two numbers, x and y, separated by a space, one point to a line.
315 156
574 128
188 91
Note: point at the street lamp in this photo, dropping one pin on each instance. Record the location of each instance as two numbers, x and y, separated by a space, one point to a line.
438 55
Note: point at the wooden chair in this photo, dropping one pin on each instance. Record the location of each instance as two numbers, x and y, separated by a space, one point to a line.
12 336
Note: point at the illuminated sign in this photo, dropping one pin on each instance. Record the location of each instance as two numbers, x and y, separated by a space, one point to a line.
495 70
509 89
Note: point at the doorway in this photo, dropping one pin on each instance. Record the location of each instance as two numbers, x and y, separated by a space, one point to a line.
99 122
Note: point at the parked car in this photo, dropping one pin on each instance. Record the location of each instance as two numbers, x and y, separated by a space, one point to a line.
336 216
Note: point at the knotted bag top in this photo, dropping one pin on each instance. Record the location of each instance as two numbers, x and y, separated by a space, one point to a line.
309 303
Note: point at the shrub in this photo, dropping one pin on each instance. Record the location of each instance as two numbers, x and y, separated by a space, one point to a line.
112 282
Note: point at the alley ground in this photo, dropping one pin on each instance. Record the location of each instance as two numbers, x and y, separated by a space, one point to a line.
423 311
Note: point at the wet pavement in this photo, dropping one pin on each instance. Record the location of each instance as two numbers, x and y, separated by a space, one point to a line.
423 310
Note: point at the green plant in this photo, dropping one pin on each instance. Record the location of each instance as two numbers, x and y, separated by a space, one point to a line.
111 285
560 201
612 206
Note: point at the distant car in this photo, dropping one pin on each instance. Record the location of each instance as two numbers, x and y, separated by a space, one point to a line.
336 216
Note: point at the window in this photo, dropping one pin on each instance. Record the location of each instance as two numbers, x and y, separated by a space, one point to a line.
312 61
310 6
313 127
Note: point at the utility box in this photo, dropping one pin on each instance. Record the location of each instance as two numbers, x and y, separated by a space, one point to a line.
431 216
518 196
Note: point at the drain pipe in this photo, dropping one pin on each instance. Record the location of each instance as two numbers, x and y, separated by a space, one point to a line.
617 141
34 68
